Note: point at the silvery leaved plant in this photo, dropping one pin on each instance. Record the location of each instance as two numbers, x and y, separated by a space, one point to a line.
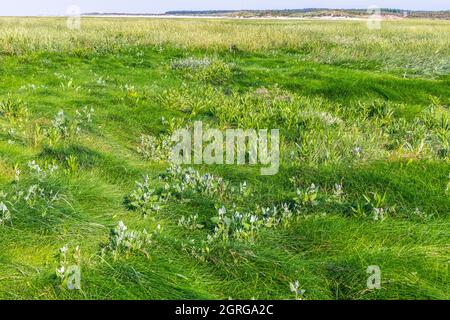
295 288
68 271
35 197
235 225
40 199
155 149
42 172
448 187
338 192
17 173
84 116
124 242
199 251
144 198
5 214
308 196
64 127
190 222
181 181
378 209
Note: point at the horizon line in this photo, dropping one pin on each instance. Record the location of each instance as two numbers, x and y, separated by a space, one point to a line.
220 10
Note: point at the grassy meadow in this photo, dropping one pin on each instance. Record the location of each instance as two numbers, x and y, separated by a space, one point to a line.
85 122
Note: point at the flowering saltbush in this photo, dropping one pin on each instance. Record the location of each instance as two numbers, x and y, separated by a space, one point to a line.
308 196
378 210
155 149
190 223
123 241
180 181
42 172
234 225
64 127
143 198
295 288
69 265
36 197
200 251
5 214
278 216
237 225
448 187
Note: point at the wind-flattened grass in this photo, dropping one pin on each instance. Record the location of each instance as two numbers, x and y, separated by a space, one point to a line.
363 110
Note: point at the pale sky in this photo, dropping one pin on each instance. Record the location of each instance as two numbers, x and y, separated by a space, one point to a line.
59 7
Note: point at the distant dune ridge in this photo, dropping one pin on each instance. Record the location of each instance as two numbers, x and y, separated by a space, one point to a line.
293 13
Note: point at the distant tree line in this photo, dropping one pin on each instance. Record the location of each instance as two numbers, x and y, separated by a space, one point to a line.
311 12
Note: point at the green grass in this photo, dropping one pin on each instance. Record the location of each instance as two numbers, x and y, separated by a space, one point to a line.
324 96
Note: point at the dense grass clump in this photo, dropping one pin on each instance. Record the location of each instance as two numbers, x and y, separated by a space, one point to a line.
85 124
